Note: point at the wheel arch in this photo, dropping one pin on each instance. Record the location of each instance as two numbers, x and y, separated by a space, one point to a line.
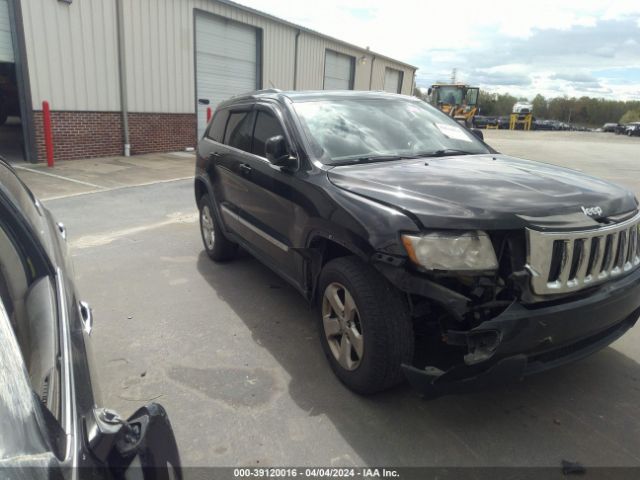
201 187
322 248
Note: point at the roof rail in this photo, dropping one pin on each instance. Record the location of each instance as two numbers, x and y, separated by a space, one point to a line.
256 92
268 90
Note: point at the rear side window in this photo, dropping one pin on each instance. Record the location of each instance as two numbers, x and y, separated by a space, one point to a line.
238 132
267 126
216 130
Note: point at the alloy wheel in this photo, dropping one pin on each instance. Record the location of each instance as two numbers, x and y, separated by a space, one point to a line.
206 223
342 326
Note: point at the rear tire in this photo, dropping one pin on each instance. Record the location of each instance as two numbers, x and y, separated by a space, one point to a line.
364 324
217 246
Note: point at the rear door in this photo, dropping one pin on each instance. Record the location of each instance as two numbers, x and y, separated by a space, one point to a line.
274 206
229 163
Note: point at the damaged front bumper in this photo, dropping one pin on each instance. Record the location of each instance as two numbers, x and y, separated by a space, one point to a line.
524 340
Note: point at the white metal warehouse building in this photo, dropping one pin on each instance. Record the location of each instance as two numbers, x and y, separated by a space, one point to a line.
118 71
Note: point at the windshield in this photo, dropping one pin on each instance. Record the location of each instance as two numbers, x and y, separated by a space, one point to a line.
449 95
345 129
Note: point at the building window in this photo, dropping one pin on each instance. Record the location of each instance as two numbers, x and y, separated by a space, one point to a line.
393 80
339 71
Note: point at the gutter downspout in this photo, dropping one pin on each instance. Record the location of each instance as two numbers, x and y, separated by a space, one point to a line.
373 60
295 62
122 74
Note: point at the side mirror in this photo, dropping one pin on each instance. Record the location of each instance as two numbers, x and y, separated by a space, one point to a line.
143 446
478 133
277 152
429 91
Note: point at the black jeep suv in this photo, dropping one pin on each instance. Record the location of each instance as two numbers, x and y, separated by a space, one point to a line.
428 253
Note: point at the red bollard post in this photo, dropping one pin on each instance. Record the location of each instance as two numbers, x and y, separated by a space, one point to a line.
208 114
48 137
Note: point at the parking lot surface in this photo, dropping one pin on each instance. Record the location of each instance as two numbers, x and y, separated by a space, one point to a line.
233 353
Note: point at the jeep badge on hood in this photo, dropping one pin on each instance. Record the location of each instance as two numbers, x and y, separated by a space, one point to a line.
592 211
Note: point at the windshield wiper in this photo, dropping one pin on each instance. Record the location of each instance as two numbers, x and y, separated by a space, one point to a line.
445 152
373 158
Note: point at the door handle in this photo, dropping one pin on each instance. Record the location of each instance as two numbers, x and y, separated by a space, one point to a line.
86 316
62 229
245 169
214 155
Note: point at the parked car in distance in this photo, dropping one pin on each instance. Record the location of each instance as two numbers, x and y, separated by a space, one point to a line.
426 252
539 124
49 416
503 122
620 129
483 121
610 127
633 129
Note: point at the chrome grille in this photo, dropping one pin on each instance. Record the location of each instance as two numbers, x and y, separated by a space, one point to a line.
561 262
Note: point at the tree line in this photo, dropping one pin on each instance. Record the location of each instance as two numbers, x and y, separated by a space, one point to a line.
585 111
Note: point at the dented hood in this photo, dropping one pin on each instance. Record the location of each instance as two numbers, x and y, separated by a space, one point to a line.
484 191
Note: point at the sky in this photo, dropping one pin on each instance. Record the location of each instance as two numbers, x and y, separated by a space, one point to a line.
555 48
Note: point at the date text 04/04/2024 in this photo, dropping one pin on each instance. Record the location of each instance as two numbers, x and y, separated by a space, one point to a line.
285 473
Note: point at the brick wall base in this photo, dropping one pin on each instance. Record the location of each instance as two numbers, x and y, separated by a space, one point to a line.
99 134
162 132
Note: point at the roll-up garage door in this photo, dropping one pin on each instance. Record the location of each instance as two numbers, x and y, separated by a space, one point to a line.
6 46
392 80
226 62
338 71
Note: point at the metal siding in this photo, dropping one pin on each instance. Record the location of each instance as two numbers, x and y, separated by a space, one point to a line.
72 54
169 51
73 63
6 45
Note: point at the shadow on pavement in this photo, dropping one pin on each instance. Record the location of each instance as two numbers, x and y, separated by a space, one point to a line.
585 412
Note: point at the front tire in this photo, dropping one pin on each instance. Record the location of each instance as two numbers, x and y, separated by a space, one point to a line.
217 246
365 326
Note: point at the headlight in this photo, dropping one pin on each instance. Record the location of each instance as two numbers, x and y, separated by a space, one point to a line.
466 251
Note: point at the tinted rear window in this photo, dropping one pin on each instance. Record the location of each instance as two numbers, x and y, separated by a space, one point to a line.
216 130
238 132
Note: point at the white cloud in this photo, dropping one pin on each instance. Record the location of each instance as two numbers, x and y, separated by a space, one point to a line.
484 40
